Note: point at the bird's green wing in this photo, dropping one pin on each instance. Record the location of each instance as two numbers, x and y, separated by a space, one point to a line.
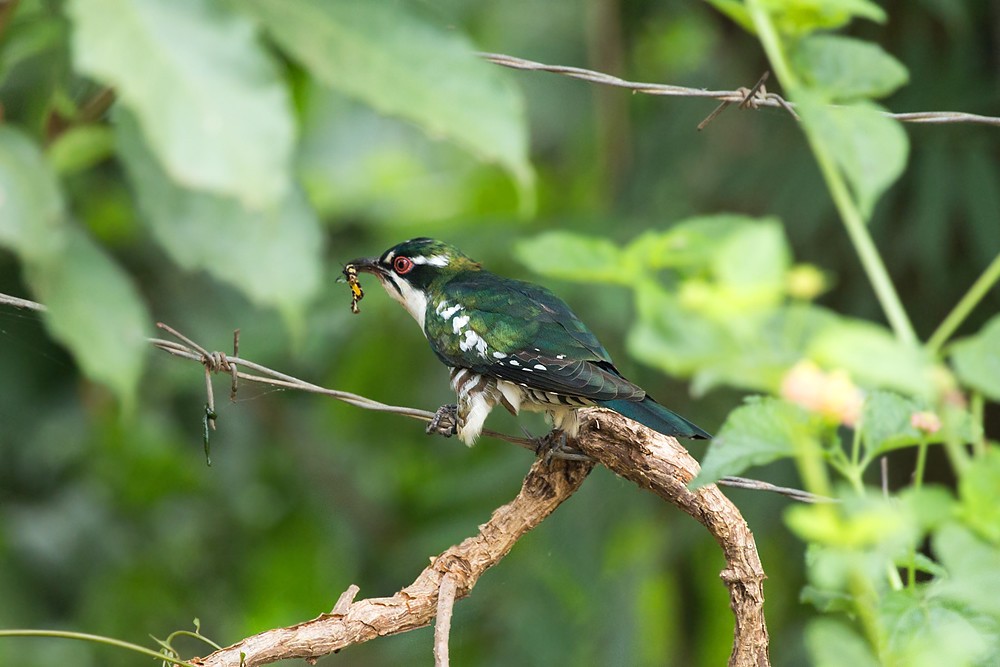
523 333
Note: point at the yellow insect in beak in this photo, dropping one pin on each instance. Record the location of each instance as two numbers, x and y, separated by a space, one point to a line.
351 273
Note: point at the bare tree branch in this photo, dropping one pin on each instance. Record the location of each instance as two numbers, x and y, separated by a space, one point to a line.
660 464
650 460
544 488
442 625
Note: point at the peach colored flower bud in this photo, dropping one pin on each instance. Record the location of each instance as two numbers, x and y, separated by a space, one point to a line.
842 400
803 384
928 422
831 395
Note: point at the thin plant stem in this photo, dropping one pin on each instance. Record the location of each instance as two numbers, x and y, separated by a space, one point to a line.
962 309
851 216
849 470
957 456
809 459
97 639
918 482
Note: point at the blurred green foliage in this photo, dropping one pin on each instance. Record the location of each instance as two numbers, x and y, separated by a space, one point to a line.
250 147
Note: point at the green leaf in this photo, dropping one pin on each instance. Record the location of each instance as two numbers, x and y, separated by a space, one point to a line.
92 306
869 148
31 204
885 423
80 148
760 351
846 69
356 163
209 100
755 257
689 244
857 524
834 644
577 257
827 600
383 55
761 431
736 11
94 309
31 32
974 568
873 357
273 255
799 17
931 505
979 491
670 337
977 359
747 262
919 630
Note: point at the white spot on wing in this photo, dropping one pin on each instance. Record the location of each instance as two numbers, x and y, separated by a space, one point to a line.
459 322
514 362
539 367
473 340
447 313
560 356
499 355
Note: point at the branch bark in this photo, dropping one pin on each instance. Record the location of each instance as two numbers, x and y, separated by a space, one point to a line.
544 488
660 464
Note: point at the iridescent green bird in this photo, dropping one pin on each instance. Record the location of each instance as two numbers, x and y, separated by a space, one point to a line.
508 343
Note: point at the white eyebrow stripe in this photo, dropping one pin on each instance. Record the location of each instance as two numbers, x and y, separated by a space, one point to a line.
433 260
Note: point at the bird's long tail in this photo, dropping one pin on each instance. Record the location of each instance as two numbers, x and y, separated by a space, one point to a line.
650 413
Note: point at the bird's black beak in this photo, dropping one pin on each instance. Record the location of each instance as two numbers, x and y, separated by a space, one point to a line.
368 265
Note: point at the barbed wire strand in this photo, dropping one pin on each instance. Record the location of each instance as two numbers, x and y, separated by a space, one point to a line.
760 98
219 362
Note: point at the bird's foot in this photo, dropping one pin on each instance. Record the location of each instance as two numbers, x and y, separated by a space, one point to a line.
556 445
444 422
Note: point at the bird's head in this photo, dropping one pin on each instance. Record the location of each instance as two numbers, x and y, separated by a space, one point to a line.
408 270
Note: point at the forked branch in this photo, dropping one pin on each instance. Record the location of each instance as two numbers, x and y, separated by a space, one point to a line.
544 488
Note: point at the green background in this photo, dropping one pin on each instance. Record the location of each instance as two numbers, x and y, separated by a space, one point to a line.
110 521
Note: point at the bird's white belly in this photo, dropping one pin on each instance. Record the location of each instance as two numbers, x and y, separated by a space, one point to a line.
479 394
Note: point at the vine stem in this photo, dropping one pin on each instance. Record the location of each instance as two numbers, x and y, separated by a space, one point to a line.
851 216
97 639
918 482
962 309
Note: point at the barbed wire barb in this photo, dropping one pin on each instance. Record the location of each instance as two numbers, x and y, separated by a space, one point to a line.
727 96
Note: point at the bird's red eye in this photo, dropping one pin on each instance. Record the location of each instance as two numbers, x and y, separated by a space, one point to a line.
402 265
